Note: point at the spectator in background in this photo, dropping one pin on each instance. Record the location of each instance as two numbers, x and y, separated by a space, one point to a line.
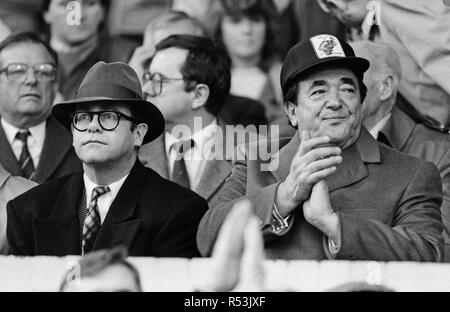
78 46
418 31
10 187
161 27
188 80
126 22
236 110
105 270
206 11
22 15
33 144
390 125
246 33
311 20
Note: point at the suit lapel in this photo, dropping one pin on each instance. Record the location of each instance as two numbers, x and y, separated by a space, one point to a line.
216 170
57 143
214 175
7 157
353 169
282 160
398 128
121 226
153 155
60 234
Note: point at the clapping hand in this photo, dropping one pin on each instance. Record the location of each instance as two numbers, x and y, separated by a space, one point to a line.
315 160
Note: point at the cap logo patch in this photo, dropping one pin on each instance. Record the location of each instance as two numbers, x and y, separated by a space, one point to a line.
327 46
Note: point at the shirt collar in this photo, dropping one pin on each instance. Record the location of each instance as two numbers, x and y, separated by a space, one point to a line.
113 187
379 126
200 137
37 132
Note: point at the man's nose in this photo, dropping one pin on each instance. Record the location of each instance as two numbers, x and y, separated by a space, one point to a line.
334 101
147 90
30 77
94 125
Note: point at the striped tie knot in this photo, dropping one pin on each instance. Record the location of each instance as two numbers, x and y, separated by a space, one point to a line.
25 160
181 147
23 135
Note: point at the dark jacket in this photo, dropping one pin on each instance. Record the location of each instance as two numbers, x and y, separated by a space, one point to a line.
57 158
151 216
388 204
414 139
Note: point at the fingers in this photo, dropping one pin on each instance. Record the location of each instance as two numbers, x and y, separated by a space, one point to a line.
322 164
299 163
252 272
226 256
317 176
307 143
228 242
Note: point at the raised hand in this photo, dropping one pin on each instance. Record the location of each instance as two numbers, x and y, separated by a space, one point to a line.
318 211
314 161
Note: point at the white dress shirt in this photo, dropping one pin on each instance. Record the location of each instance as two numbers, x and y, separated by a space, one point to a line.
35 140
197 156
104 201
379 126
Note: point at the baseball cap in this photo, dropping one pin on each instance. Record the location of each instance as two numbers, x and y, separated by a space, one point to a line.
318 51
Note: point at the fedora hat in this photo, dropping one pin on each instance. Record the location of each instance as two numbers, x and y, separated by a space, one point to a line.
113 83
318 51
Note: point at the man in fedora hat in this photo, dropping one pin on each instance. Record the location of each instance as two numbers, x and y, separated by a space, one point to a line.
116 200
334 192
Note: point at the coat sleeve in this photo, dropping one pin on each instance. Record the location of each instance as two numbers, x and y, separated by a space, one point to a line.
178 236
235 189
416 233
18 240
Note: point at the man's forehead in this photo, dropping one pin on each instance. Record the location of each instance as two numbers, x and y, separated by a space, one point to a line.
22 51
168 60
102 107
329 75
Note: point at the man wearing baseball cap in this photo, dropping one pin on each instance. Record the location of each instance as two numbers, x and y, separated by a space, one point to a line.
334 192
116 200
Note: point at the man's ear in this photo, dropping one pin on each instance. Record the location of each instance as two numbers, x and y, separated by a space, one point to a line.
291 111
200 95
140 131
386 88
46 17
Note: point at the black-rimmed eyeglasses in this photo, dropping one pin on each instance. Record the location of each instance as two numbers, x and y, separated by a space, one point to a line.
108 120
18 71
156 81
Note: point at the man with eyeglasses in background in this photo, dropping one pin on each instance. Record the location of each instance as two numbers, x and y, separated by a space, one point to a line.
188 79
116 201
32 143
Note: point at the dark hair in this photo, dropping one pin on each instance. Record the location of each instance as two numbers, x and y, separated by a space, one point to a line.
95 262
206 63
46 4
28 37
253 9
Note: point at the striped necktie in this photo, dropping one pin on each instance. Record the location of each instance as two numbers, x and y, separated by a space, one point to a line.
25 160
92 222
179 172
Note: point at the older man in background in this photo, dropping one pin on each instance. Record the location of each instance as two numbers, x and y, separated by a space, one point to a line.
33 144
390 125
